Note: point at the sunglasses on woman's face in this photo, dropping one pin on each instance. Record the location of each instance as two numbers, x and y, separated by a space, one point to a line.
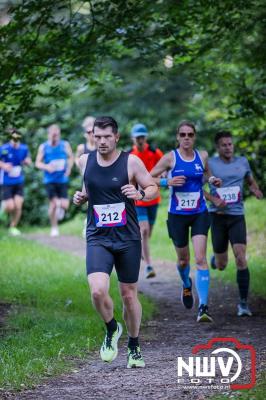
186 134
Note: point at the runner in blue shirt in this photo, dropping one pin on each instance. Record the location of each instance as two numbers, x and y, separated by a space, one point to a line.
227 212
187 209
56 159
13 156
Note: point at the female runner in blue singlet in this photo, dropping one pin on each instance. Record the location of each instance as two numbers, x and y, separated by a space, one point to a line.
186 169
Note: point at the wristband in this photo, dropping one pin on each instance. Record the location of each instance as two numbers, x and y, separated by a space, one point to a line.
211 179
164 182
142 194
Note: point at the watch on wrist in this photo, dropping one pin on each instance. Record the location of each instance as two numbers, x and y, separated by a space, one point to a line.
142 194
211 179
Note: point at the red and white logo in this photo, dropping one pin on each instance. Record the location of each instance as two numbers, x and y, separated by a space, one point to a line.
221 361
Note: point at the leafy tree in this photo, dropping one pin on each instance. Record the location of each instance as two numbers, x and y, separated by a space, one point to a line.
63 60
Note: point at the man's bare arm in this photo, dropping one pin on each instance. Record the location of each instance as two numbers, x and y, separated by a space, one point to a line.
219 203
39 161
254 187
207 172
79 152
138 174
70 159
81 197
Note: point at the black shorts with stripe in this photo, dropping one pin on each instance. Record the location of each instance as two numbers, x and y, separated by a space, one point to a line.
178 227
227 228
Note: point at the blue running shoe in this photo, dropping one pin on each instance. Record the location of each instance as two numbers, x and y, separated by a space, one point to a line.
243 310
187 296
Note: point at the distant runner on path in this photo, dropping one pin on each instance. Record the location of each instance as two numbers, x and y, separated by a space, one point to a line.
227 212
86 148
186 168
113 236
146 210
89 145
56 159
14 155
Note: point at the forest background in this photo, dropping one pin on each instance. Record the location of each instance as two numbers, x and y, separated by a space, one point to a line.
156 62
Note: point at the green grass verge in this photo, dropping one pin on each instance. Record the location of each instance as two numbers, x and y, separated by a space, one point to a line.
257 393
52 319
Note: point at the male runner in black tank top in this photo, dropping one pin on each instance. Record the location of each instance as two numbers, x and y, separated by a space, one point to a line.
113 236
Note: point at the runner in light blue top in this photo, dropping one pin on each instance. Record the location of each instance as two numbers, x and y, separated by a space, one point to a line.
56 156
227 213
233 173
56 159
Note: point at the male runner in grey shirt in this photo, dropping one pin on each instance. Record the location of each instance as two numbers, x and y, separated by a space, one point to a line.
227 212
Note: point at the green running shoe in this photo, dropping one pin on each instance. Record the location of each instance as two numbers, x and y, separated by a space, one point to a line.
134 358
109 348
14 231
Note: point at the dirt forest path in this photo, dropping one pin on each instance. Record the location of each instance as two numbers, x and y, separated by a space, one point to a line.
173 332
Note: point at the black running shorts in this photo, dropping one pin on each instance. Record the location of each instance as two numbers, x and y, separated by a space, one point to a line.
227 228
10 191
101 257
58 190
178 227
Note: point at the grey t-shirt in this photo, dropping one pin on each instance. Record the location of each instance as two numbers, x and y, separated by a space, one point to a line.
232 174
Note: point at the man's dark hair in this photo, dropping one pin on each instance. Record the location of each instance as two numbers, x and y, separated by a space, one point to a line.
14 134
222 134
186 123
104 122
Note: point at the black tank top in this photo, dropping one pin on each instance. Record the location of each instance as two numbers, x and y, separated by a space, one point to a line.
111 215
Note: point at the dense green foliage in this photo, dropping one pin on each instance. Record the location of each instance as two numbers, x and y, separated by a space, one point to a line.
61 61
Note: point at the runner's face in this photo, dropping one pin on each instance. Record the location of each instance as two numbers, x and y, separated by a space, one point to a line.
54 134
89 132
139 141
105 140
186 137
225 148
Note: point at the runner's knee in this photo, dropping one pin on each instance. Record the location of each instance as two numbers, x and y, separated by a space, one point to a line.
52 205
241 261
145 231
9 206
221 261
64 203
98 294
129 296
183 261
201 261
